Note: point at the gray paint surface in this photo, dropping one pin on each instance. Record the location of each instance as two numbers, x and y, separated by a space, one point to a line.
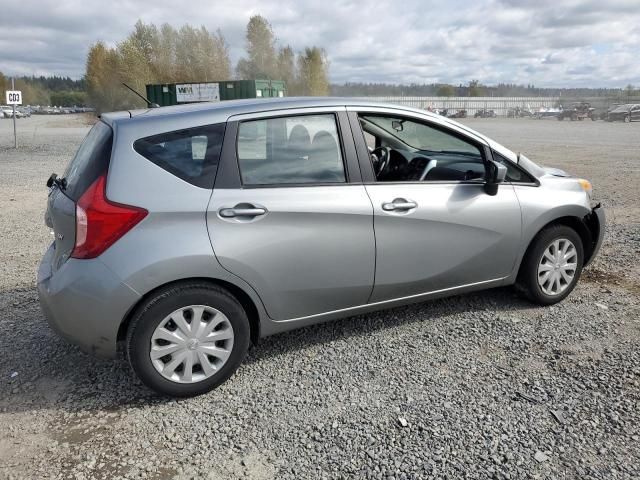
312 252
319 252
456 235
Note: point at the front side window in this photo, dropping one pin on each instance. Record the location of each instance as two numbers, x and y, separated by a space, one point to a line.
410 151
290 150
192 154
514 174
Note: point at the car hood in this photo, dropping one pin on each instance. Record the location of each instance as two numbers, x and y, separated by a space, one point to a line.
555 172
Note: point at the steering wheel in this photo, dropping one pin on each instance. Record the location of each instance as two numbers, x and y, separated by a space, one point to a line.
381 157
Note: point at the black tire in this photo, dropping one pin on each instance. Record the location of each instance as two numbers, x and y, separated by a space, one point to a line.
527 282
164 302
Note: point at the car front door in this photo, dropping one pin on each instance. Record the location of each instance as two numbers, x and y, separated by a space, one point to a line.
289 214
436 226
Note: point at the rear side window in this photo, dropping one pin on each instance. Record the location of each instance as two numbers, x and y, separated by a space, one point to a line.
290 150
90 161
192 154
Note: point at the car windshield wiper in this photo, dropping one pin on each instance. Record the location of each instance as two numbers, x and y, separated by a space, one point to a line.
61 183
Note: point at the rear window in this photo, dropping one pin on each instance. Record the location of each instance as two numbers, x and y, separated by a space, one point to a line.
90 161
192 154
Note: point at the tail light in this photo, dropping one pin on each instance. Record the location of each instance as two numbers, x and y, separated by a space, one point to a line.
100 222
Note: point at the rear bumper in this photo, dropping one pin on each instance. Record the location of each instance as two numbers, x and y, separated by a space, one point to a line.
84 302
596 222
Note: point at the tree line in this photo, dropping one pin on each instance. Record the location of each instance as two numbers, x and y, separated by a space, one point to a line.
152 54
54 90
473 88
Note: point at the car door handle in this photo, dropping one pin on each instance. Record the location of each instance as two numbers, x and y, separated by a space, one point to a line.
398 205
241 212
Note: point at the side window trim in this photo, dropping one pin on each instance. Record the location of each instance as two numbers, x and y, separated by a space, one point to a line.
228 174
364 160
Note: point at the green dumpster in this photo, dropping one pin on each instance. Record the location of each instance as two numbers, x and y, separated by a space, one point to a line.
177 93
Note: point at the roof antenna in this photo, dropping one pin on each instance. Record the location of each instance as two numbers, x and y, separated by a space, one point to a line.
149 104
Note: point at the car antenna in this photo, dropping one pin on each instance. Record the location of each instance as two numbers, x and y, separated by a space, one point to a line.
149 103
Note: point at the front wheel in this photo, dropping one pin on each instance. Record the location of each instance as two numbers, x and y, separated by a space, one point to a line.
187 339
552 265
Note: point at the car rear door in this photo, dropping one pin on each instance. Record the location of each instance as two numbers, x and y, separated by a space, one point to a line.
437 235
91 160
289 214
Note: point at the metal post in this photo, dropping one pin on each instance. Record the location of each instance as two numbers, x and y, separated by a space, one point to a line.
15 137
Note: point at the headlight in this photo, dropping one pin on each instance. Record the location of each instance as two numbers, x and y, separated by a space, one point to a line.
586 186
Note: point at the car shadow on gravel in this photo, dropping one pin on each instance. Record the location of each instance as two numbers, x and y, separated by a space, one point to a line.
41 371
495 300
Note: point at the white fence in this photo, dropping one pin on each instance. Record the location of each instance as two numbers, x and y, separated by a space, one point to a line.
500 105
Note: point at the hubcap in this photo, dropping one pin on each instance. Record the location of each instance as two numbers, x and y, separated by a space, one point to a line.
557 267
191 344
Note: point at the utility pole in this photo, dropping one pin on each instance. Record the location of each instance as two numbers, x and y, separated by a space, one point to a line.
15 137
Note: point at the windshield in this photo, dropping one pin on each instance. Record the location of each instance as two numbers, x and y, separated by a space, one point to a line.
419 136
621 108
530 166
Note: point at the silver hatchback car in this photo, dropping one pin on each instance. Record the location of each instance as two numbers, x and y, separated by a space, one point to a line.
186 233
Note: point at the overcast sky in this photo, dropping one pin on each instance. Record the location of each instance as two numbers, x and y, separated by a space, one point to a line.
544 42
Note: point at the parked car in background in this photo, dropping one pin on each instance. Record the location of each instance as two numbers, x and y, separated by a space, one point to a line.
185 233
548 112
578 111
459 114
520 112
485 113
7 112
625 113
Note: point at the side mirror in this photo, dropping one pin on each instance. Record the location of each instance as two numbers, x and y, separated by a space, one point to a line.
496 174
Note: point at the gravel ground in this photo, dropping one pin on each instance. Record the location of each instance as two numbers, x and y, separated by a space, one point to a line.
476 386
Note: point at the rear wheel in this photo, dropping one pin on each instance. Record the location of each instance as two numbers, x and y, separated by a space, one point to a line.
552 265
187 339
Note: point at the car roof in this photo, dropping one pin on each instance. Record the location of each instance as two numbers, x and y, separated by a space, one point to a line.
252 105
214 112
623 107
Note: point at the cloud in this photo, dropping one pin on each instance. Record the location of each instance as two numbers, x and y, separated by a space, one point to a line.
544 42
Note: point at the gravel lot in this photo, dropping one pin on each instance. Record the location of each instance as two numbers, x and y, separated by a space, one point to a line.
476 386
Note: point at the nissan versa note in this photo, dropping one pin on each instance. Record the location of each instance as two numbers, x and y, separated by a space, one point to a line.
186 233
